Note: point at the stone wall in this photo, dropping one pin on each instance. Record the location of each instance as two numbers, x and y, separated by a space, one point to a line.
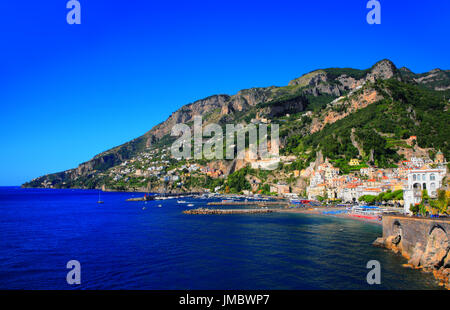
423 241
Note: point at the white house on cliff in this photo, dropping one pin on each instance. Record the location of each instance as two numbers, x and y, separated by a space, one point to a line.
418 180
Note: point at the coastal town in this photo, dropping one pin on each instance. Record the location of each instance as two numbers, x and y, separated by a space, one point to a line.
346 136
225 154
401 186
410 177
345 144
410 201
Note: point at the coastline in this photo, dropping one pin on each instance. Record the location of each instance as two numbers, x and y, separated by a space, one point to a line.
318 211
303 210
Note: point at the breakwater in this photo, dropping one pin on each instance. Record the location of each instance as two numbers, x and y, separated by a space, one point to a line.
164 195
423 241
249 203
145 198
227 211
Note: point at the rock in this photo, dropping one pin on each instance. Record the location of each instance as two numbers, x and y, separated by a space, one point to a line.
447 261
313 78
225 109
397 239
393 243
445 271
438 258
389 245
436 249
383 69
359 101
388 241
415 259
379 242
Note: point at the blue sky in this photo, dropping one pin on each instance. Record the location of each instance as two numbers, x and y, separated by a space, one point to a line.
69 92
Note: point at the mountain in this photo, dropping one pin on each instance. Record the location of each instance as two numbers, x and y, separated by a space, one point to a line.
340 113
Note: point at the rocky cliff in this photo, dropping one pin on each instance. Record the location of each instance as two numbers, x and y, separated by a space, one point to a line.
335 92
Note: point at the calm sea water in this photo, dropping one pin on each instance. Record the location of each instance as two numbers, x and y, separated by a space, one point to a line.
122 246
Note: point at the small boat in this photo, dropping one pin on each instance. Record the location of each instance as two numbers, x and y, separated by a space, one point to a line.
144 208
190 205
181 201
159 206
99 200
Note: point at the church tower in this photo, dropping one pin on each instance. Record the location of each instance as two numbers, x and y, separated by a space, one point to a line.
439 158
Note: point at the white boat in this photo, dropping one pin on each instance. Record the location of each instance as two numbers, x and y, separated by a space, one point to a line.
181 201
159 206
190 205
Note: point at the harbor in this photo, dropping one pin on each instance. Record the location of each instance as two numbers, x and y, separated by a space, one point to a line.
205 211
249 203
145 198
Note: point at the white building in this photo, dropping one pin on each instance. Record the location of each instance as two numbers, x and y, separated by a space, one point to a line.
418 180
349 193
331 173
315 191
316 179
367 171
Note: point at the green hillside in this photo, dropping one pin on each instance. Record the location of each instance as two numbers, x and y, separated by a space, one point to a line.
407 104
406 110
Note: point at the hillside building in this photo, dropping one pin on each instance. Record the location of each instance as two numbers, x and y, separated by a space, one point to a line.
418 180
354 162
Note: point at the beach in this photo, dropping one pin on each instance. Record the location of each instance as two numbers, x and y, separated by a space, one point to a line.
330 211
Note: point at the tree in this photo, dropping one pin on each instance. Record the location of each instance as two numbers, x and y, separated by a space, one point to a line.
414 208
425 196
398 195
434 207
388 196
442 201
237 181
265 189
423 209
380 196
370 199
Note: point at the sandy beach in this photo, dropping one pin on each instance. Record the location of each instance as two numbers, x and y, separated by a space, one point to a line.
321 210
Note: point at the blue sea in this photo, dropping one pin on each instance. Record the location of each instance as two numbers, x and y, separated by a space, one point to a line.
137 245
